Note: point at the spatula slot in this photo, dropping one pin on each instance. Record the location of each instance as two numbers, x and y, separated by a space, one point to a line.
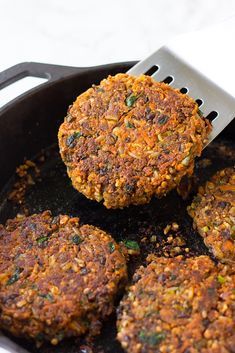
216 104
212 115
168 80
184 90
199 102
152 70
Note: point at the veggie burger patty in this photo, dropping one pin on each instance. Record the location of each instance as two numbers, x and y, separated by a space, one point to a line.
57 278
213 213
179 305
130 138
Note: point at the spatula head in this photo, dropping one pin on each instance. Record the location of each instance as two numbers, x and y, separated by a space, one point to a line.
216 104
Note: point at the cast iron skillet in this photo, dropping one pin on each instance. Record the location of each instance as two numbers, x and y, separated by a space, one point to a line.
28 128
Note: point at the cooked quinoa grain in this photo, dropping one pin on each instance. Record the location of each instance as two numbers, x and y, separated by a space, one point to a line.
130 138
57 278
213 213
179 305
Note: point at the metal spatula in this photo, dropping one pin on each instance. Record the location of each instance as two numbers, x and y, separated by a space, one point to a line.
184 63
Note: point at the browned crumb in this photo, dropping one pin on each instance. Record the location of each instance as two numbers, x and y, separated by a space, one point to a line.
174 243
26 175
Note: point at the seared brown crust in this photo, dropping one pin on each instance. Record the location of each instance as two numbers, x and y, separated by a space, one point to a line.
213 213
179 305
57 278
130 138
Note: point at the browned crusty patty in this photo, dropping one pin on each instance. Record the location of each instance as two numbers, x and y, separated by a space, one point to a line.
57 278
213 213
179 305
130 138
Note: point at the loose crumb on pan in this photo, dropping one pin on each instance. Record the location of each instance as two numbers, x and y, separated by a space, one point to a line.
26 175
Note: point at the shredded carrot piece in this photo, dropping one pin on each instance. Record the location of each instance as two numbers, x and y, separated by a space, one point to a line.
227 187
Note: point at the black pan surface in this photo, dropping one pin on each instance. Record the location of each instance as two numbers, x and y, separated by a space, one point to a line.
52 190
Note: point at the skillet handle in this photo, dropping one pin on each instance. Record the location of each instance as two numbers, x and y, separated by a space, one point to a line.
48 71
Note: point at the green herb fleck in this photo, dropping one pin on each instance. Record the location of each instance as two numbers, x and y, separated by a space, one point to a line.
152 312
111 247
211 291
130 125
221 279
15 276
233 232
173 277
172 290
197 198
129 188
200 344
152 339
60 336
77 134
41 240
205 229
163 120
71 139
40 336
48 296
131 244
100 89
76 239
130 100
86 322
